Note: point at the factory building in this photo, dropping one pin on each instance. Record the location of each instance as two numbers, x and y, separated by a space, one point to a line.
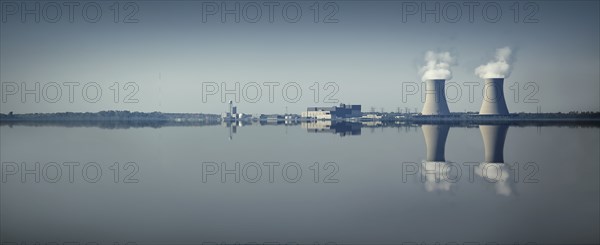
233 114
333 113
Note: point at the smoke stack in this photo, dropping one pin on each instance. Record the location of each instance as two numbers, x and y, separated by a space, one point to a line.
493 97
435 98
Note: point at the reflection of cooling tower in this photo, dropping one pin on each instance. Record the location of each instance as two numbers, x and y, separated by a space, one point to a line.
493 169
435 169
493 97
435 98
493 142
435 139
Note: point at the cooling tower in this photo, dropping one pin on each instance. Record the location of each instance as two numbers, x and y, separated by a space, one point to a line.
493 97
435 139
435 98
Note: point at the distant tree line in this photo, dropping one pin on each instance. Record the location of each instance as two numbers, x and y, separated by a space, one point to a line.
109 116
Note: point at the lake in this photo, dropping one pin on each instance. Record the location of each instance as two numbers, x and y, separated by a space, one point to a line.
313 183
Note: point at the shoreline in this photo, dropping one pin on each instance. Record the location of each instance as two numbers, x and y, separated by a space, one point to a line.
366 117
124 123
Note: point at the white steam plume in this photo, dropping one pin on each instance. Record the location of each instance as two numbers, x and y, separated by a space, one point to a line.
499 67
437 66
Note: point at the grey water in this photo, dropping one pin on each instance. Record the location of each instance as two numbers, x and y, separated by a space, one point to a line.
423 184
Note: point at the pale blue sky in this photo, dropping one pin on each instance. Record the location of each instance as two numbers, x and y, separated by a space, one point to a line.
369 54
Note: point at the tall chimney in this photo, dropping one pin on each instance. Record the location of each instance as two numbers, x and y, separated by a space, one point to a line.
435 98
493 97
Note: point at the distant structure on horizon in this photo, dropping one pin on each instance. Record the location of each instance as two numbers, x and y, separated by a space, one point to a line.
333 113
435 98
493 97
233 115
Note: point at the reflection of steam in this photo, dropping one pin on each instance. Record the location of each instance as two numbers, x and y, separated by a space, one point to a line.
435 169
493 168
496 173
435 175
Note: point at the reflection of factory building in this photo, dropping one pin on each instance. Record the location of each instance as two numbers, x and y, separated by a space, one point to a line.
271 119
341 128
333 113
232 126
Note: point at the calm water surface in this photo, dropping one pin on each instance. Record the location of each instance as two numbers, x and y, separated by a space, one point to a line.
286 184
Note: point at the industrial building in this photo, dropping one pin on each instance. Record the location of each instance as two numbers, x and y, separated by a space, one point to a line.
233 114
333 113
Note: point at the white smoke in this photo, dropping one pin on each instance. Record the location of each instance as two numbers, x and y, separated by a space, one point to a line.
437 66
498 68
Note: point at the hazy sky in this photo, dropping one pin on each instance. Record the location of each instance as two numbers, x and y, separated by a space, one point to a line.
374 48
